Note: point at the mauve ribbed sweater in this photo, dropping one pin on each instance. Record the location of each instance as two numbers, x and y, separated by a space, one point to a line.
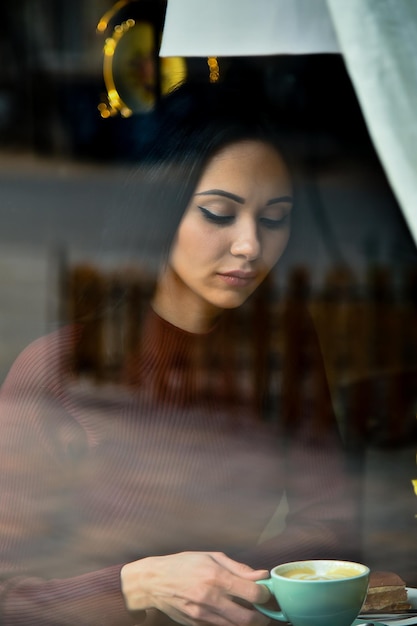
91 480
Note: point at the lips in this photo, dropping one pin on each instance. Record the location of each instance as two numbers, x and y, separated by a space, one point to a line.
237 278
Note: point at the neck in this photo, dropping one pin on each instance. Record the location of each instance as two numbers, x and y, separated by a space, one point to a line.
198 325
183 309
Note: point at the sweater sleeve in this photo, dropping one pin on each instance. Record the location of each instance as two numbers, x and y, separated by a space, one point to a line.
40 449
89 599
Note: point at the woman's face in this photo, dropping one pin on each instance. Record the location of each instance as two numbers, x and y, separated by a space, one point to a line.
233 231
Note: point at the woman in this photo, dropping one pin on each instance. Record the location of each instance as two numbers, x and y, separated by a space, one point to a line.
123 512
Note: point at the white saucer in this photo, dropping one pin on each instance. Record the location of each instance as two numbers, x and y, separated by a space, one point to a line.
412 596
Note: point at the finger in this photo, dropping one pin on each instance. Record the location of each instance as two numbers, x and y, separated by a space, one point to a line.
238 587
264 595
256 574
224 613
253 593
241 615
240 569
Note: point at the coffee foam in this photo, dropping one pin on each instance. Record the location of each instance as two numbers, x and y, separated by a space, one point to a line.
330 572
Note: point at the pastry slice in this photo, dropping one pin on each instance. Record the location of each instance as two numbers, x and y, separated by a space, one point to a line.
386 592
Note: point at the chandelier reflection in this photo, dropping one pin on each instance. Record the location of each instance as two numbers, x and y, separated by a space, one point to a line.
134 74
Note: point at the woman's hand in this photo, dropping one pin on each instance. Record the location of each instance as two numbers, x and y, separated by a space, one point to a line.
196 587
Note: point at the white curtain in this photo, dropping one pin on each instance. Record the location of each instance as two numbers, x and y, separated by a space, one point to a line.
378 39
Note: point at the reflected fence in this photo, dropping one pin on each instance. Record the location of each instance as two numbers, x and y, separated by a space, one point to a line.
367 333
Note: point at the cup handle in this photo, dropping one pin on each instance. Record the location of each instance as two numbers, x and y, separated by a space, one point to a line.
279 615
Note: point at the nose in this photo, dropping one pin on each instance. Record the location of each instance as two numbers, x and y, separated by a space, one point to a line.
246 242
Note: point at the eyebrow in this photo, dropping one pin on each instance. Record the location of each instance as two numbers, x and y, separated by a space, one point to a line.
224 194
279 199
239 199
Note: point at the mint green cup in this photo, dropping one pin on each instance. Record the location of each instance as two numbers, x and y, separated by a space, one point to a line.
318 592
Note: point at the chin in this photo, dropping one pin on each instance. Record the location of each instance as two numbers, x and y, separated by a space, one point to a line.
233 303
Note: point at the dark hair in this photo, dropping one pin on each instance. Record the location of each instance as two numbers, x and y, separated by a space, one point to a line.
187 128
196 120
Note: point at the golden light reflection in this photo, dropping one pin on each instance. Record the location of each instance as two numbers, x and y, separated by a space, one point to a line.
214 69
131 67
104 21
109 47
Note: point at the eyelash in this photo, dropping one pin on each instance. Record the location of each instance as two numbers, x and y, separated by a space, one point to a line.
217 219
224 220
275 224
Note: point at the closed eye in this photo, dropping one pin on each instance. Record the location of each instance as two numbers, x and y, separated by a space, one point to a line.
275 224
217 219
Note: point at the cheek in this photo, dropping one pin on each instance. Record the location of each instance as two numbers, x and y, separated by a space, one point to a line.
275 247
199 245
189 251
